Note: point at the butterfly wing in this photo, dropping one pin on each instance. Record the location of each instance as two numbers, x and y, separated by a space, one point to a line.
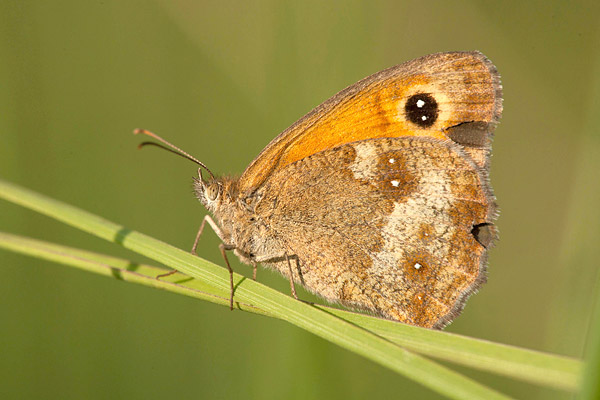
397 226
454 96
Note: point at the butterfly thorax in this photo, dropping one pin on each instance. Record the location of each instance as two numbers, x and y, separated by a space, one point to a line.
240 227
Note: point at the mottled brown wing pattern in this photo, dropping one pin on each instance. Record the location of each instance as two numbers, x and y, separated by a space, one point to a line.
390 225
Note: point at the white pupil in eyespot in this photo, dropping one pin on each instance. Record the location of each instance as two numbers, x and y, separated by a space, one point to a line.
420 103
395 183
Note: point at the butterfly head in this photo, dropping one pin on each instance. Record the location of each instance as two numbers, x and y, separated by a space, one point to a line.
209 192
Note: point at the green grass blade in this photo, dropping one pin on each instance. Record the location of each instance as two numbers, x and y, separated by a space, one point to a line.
312 319
120 269
282 306
523 364
532 366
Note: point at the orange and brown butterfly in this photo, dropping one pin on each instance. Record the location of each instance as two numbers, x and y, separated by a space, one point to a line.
378 199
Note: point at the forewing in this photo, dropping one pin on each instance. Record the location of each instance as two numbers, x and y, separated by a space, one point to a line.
455 96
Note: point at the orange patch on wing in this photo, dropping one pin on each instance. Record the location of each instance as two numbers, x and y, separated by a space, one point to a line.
378 112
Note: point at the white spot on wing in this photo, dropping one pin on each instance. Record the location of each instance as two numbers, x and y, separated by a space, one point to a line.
418 266
392 160
395 183
420 103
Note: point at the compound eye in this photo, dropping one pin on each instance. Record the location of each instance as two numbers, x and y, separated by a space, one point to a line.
212 191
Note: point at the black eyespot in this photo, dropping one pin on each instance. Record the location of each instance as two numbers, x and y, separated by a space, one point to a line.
422 110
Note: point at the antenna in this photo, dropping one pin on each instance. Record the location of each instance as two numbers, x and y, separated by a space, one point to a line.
170 147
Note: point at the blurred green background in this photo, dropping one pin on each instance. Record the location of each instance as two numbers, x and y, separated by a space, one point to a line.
221 79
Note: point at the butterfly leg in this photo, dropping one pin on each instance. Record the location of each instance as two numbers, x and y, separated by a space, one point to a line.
253 270
171 272
213 225
278 258
224 247
291 277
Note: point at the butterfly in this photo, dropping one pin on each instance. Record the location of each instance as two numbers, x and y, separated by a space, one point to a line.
378 199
